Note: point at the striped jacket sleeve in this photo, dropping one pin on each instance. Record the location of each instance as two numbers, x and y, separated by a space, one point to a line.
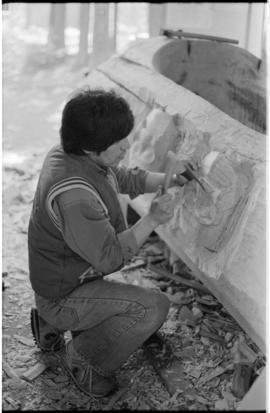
81 216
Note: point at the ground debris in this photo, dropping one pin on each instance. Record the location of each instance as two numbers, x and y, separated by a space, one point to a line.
10 372
25 340
221 405
247 352
178 298
195 372
201 399
211 375
16 384
241 379
187 316
204 332
35 371
14 404
60 379
172 400
122 391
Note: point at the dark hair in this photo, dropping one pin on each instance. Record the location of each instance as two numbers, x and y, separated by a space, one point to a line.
93 120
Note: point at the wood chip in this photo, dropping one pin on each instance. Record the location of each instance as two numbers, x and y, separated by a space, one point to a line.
246 351
54 395
34 371
228 336
10 372
20 277
16 384
177 298
197 313
196 373
241 379
210 376
60 379
49 383
187 316
205 341
221 405
25 340
205 333
134 266
11 402
228 396
186 352
201 399
172 399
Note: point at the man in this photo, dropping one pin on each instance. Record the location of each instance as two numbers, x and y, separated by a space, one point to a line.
78 234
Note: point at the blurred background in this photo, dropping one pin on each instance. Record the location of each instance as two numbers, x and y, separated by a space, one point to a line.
48 49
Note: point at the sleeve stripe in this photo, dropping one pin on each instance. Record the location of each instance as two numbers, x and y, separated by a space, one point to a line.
65 185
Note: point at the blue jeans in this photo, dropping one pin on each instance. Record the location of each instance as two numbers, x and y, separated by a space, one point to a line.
113 320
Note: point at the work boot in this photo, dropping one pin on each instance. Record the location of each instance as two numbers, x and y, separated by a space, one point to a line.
46 337
84 376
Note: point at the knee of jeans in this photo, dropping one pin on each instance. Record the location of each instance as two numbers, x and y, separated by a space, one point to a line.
161 306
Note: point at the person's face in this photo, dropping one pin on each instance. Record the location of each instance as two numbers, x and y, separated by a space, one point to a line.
114 153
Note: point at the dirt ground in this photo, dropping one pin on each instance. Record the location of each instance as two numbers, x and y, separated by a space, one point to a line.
34 91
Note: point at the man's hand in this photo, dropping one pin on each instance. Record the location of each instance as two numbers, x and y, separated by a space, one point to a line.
181 166
178 180
161 208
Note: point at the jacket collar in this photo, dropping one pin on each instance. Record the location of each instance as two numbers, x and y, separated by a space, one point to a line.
100 168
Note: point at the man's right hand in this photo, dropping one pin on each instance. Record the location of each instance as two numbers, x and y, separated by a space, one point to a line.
161 208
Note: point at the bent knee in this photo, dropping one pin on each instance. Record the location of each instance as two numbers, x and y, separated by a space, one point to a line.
160 306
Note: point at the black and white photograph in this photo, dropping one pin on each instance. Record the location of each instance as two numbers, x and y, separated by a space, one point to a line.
134 206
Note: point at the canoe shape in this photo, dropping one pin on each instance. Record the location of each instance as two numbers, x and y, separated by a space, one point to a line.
205 101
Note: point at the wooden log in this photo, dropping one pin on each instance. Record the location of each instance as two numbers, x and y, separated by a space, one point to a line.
219 235
179 279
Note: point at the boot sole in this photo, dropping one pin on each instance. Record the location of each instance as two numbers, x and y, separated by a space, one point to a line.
35 333
35 327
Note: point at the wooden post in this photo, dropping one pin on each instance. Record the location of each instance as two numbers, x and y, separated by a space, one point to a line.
56 37
156 18
84 29
264 41
101 40
248 26
114 41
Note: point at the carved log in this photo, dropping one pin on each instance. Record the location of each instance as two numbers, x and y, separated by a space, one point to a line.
205 100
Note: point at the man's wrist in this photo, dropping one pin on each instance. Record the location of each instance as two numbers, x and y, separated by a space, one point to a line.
150 221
